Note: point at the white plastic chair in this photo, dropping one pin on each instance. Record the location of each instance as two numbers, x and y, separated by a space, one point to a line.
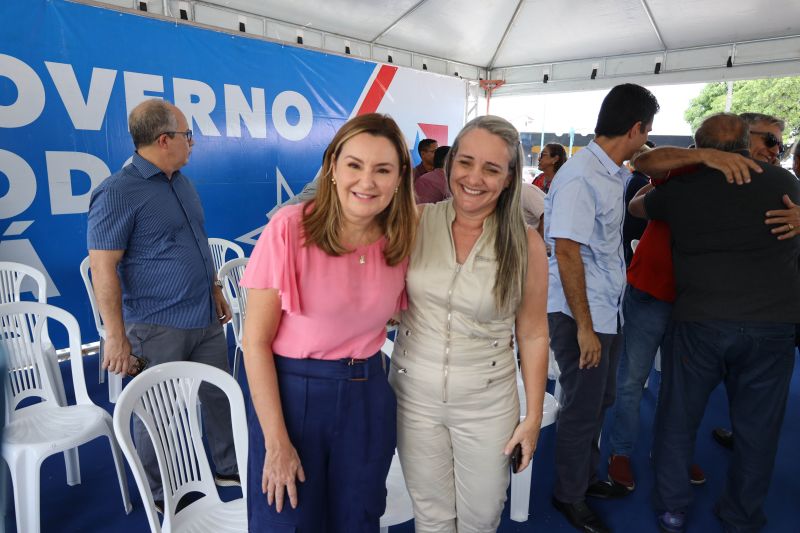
37 431
114 380
231 274
15 279
165 398
219 251
521 483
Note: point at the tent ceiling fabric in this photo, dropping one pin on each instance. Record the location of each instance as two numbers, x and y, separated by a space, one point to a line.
521 40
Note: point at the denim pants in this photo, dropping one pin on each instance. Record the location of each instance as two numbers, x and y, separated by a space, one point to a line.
341 419
755 361
646 320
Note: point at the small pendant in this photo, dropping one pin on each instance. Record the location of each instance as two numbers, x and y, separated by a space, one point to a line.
362 259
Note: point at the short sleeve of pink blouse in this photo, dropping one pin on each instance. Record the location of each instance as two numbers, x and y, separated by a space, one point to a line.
333 307
273 262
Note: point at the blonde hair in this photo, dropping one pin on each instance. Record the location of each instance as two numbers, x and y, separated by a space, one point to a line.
511 239
322 218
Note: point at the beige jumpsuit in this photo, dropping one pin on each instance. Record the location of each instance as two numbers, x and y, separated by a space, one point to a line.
453 371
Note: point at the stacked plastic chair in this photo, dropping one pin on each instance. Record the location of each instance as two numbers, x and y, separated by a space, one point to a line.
35 431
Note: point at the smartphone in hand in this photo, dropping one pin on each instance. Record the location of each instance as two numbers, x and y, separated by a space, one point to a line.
137 364
516 458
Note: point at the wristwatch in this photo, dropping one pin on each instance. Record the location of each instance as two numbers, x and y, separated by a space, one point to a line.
218 283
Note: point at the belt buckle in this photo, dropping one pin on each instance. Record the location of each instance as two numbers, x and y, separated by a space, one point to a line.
352 362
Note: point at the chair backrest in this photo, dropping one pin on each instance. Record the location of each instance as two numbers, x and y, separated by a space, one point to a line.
28 374
87 282
231 274
16 278
165 398
220 249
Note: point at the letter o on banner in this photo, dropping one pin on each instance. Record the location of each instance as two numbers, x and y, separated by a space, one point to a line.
281 104
21 184
30 93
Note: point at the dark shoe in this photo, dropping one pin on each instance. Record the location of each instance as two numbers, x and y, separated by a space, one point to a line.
672 522
227 480
581 517
620 471
724 437
725 527
606 490
696 475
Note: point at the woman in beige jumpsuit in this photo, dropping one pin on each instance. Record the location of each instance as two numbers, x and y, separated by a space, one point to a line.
477 277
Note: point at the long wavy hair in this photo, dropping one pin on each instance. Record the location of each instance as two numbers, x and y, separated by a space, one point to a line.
323 218
511 240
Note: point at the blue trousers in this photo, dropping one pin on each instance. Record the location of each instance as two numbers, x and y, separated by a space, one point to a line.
755 361
341 419
646 320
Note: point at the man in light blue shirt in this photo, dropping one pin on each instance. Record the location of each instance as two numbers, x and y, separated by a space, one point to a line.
584 211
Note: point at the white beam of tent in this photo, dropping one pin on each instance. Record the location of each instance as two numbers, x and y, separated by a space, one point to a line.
649 14
505 35
391 26
769 46
760 58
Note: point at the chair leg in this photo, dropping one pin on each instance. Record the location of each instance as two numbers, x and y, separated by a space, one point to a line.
25 480
384 530
102 376
55 371
73 466
114 387
120 466
521 495
237 355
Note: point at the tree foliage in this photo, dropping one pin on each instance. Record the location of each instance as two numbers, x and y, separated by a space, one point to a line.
779 97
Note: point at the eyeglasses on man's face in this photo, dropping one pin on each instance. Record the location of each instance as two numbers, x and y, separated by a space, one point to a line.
770 141
187 133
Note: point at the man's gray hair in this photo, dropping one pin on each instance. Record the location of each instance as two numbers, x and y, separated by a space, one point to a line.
724 131
149 119
755 118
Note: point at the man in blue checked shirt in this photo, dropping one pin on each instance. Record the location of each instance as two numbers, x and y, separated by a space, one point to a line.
584 211
154 277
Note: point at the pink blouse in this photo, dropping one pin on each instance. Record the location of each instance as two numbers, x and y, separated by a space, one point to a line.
333 307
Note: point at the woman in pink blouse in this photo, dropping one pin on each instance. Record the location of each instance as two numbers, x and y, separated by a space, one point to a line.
323 280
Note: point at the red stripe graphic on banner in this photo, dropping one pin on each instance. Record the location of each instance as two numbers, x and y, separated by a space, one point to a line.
379 87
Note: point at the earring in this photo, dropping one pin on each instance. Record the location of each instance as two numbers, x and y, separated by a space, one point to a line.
333 180
396 189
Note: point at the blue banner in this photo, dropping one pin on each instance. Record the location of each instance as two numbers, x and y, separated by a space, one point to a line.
262 114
